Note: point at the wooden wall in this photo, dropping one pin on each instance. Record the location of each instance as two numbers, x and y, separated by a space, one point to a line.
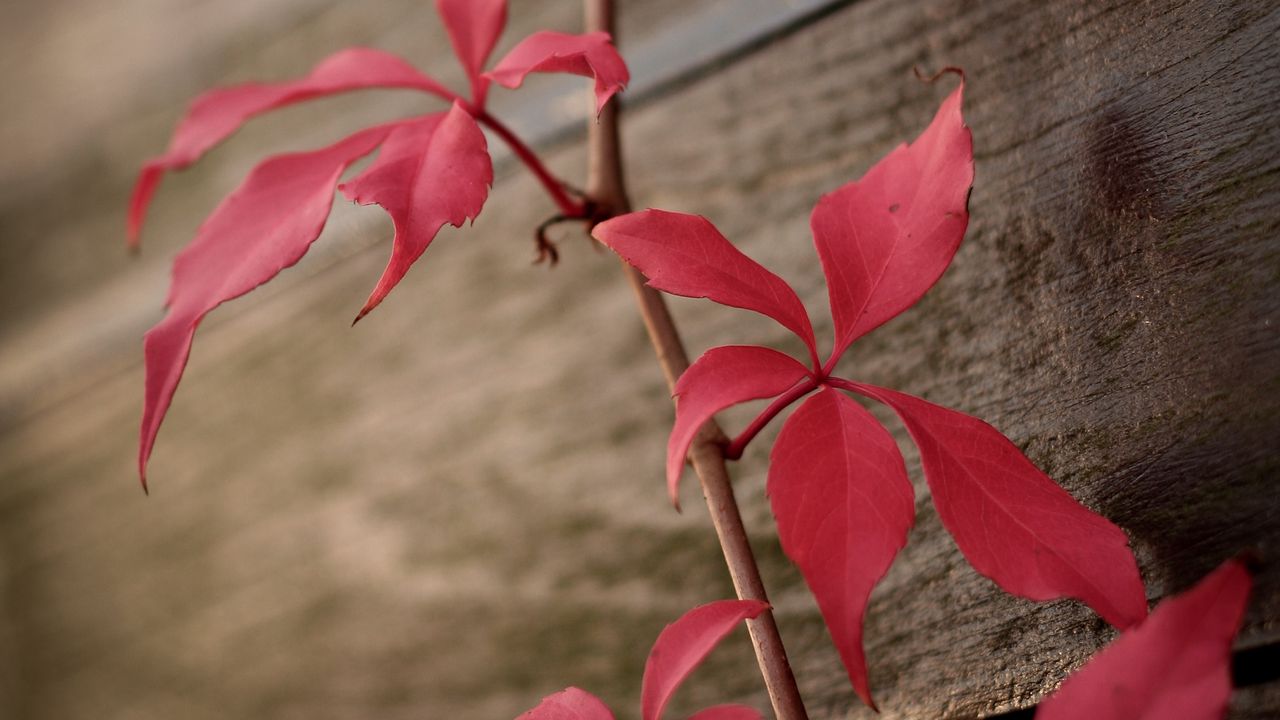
456 507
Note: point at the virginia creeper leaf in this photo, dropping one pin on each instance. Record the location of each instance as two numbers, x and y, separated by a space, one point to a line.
728 712
885 240
218 113
262 227
1013 523
723 377
569 704
474 27
684 644
1176 664
686 255
843 502
430 171
590 55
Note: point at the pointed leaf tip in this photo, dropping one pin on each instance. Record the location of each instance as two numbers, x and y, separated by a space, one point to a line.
590 55
684 644
431 171
844 505
143 190
1176 664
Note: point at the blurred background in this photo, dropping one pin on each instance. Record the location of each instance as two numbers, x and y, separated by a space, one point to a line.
457 506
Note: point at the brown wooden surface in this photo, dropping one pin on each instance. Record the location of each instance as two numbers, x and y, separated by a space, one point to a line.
457 506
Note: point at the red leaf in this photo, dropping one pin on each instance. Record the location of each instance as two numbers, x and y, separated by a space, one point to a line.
723 377
569 704
262 227
218 113
684 644
728 712
686 255
474 27
430 171
1012 522
840 492
885 240
1177 664
589 55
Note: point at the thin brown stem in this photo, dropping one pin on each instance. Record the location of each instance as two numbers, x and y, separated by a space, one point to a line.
555 188
606 189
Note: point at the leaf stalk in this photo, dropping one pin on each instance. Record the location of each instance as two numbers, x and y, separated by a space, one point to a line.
733 450
569 207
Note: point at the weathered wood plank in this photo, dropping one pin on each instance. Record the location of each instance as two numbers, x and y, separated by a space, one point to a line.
401 519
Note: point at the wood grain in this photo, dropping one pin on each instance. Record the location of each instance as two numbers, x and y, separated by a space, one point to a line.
457 507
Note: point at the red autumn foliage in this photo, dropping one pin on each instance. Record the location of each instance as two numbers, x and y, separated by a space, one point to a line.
590 55
1176 664
679 649
431 171
837 483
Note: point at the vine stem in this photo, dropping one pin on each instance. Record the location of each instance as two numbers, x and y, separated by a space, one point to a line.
607 190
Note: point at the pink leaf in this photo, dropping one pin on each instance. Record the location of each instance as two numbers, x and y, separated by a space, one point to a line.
728 712
569 704
589 55
474 27
885 240
684 644
686 255
840 492
218 113
723 377
1177 664
1012 522
431 171
262 227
